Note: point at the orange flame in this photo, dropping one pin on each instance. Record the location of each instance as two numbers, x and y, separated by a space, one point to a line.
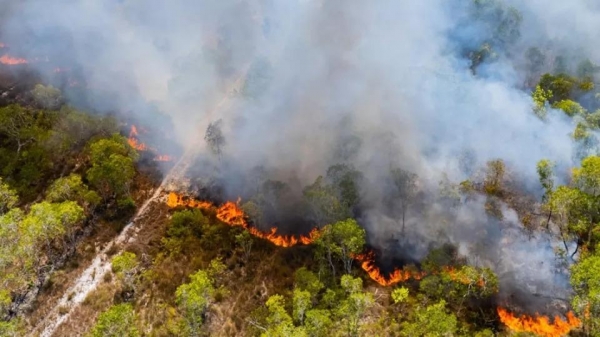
134 142
539 325
231 214
11 61
367 263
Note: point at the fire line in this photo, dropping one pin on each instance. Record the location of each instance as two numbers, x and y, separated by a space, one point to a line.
231 214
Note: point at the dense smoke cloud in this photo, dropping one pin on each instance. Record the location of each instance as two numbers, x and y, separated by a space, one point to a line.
378 85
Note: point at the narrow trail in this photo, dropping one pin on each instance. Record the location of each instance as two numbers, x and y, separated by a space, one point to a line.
92 276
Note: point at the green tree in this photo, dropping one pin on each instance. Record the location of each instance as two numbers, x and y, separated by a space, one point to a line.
344 240
117 321
245 241
279 322
304 279
545 170
585 279
431 321
112 168
571 108
540 101
352 309
125 265
8 197
318 323
194 299
400 295
302 302
47 221
18 125
72 188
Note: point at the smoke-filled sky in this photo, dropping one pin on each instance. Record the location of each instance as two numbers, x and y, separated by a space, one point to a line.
377 84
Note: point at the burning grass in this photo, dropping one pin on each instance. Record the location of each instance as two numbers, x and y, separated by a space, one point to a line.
539 325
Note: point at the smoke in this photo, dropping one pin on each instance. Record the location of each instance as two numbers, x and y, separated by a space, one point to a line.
302 85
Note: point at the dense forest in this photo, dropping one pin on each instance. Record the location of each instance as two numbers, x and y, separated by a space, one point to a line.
296 181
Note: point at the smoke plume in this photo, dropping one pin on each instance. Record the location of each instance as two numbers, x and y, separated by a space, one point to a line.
302 85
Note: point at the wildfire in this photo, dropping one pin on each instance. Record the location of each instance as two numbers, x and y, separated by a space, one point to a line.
134 142
367 263
539 325
11 61
231 214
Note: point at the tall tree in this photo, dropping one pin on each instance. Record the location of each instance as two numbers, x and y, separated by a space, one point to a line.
406 190
214 137
342 240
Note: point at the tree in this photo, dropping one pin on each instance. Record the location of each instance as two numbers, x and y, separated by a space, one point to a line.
571 108
72 188
353 308
214 138
585 279
301 304
279 322
50 221
431 321
305 279
194 298
345 180
540 101
245 241
344 240
406 190
18 125
545 170
494 177
323 203
125 265
318 323
117 321
560 86
400 295
112 168
8 197
47 97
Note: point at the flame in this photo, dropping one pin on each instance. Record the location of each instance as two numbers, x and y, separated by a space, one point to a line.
539 325
231 214
398 275
134 142
11 61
